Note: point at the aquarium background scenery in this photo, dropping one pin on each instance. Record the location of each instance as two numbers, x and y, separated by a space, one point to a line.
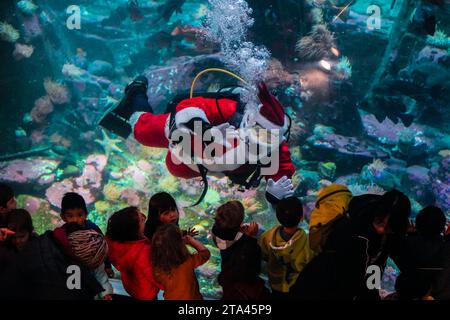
365 82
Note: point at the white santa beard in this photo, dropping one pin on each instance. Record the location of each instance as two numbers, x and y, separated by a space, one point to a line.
231 160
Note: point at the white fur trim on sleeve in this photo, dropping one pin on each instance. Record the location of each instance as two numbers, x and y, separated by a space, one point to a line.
183 116
267 124
134 119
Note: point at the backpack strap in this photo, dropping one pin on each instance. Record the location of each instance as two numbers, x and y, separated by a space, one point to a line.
329 195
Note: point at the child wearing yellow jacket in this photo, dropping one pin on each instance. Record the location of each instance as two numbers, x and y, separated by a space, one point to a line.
286 247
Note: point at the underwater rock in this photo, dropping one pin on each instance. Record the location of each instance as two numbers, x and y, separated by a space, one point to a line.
57 190
70 171
176 76
344 151
137 177
414 141
87 184
90 177
418 183
33 204
99 161
431 54
440 183
32 27
101 69
37 172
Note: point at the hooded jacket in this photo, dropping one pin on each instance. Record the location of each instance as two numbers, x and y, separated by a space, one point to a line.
133 260
286 259
339 271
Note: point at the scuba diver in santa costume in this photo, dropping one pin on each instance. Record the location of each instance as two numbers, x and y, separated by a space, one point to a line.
225 116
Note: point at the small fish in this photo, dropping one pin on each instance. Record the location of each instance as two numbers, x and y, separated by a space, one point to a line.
194 35
134 10
169 8
20 132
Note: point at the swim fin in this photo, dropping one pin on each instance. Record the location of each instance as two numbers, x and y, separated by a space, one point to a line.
116 118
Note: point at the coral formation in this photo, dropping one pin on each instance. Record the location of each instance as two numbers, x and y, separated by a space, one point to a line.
59 94
42 108
439 39
22 51
8 32
317 45
27 6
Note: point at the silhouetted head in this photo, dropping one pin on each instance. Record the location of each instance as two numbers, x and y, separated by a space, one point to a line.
430 222
126 225
19 221
289 212
7 199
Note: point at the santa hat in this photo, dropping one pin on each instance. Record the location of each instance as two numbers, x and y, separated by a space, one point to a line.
271 113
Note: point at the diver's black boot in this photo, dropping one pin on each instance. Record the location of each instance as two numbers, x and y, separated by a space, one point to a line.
135 100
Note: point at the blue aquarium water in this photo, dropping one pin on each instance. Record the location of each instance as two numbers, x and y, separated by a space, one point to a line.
366 84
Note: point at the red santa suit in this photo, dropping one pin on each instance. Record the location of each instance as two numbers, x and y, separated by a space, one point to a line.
153 131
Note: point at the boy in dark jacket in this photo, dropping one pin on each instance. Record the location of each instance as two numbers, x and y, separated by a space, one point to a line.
45 268
229 229
73 209
240 253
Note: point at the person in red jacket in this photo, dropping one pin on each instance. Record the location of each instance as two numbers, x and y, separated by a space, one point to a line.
213 134
130 253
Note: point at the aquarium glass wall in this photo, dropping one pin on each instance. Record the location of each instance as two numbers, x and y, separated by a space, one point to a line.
366 84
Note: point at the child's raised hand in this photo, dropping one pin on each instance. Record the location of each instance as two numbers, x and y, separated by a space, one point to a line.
251 229
188 239
4 233
411 227
192 232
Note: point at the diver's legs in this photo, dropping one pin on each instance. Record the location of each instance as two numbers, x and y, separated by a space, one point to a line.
136 95
116 119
